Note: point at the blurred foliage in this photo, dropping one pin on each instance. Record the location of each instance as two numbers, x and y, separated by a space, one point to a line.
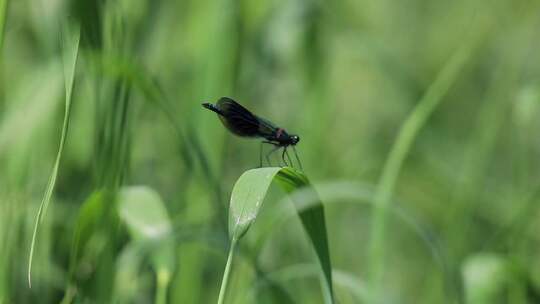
343 74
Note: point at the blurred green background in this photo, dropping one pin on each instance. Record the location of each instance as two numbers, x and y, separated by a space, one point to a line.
345 75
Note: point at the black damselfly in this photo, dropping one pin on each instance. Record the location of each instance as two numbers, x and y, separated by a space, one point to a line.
242 122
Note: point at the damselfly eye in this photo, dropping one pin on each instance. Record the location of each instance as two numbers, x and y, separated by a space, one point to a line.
295 139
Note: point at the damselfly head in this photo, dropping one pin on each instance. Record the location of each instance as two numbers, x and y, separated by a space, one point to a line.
295 139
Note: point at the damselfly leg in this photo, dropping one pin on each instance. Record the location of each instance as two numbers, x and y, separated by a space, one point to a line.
285 161
289 158
261 154
267 155
283 157
270 153
297 158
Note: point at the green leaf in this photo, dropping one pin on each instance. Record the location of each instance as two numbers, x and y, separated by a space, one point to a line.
246 199
145 215
70 52
485 276
94 240
92 214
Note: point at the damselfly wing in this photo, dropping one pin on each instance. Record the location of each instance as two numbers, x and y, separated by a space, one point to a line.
240 120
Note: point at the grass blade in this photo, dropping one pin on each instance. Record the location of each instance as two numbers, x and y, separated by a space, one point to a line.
70 49
398 153
246 199
226 273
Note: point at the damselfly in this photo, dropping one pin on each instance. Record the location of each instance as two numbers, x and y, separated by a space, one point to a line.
242 122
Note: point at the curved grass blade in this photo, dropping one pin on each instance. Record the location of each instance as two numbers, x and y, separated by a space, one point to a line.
358 193
407 133
145 215
356 286
246 199
268 291
70 49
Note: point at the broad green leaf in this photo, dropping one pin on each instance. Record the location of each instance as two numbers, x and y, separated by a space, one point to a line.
485 277
70 53
145 215
94 239
91 213
246 199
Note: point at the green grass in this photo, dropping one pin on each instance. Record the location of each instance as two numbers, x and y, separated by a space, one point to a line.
418 125
411 127
70 52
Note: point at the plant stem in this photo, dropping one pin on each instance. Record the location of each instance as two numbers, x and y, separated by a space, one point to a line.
226 274
163 279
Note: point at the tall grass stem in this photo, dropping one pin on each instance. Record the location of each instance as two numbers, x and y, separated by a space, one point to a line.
226 274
